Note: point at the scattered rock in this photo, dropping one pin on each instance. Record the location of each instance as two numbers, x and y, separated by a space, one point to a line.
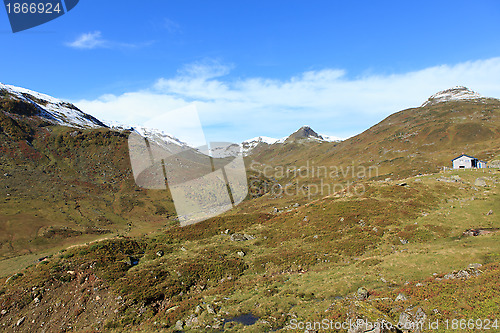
172 309
479 232
241 237
3 312
210 309
402 184
198 310
36 300
179 325
7 175
160 253
489 213
241 253
401 297
474 266
21 321
464 274
192 322
403 241
295 205
480 182
131 261
362 293
412 319
305 219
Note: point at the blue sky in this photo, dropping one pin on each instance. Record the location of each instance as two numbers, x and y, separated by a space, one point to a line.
257 67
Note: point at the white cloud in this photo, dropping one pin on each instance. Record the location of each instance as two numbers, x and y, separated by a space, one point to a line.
325 99
90 40
94 40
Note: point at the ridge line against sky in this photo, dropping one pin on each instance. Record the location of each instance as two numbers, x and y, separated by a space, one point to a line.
257 67
332 104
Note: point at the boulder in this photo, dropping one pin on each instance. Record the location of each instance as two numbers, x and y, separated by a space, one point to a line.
494 164
464 274
412 319
179 325
474 266
241 237
193 322
198 310
480 182
21 321
210 309
401 298
362 293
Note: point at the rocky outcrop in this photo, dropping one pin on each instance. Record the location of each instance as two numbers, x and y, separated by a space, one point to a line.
241 237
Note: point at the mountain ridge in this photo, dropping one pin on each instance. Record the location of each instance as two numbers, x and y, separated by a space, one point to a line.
51 109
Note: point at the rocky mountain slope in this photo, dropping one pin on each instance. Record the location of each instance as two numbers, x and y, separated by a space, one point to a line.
82 248
30 103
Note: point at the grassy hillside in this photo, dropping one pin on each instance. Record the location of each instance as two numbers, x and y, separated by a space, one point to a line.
60 185
409 142
304 263
84 249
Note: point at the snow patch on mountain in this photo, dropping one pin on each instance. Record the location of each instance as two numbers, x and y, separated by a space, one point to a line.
52 109
330 138
458 93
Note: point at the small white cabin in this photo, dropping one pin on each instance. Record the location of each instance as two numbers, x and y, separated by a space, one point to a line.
467 162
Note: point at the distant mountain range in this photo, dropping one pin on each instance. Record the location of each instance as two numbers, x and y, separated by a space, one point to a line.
305 133
58 112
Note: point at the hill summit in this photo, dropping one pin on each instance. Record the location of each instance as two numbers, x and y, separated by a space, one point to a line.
305 132
457 93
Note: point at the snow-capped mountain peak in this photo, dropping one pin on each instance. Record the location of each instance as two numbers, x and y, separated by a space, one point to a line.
52 109
305 133
250 144
453 94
